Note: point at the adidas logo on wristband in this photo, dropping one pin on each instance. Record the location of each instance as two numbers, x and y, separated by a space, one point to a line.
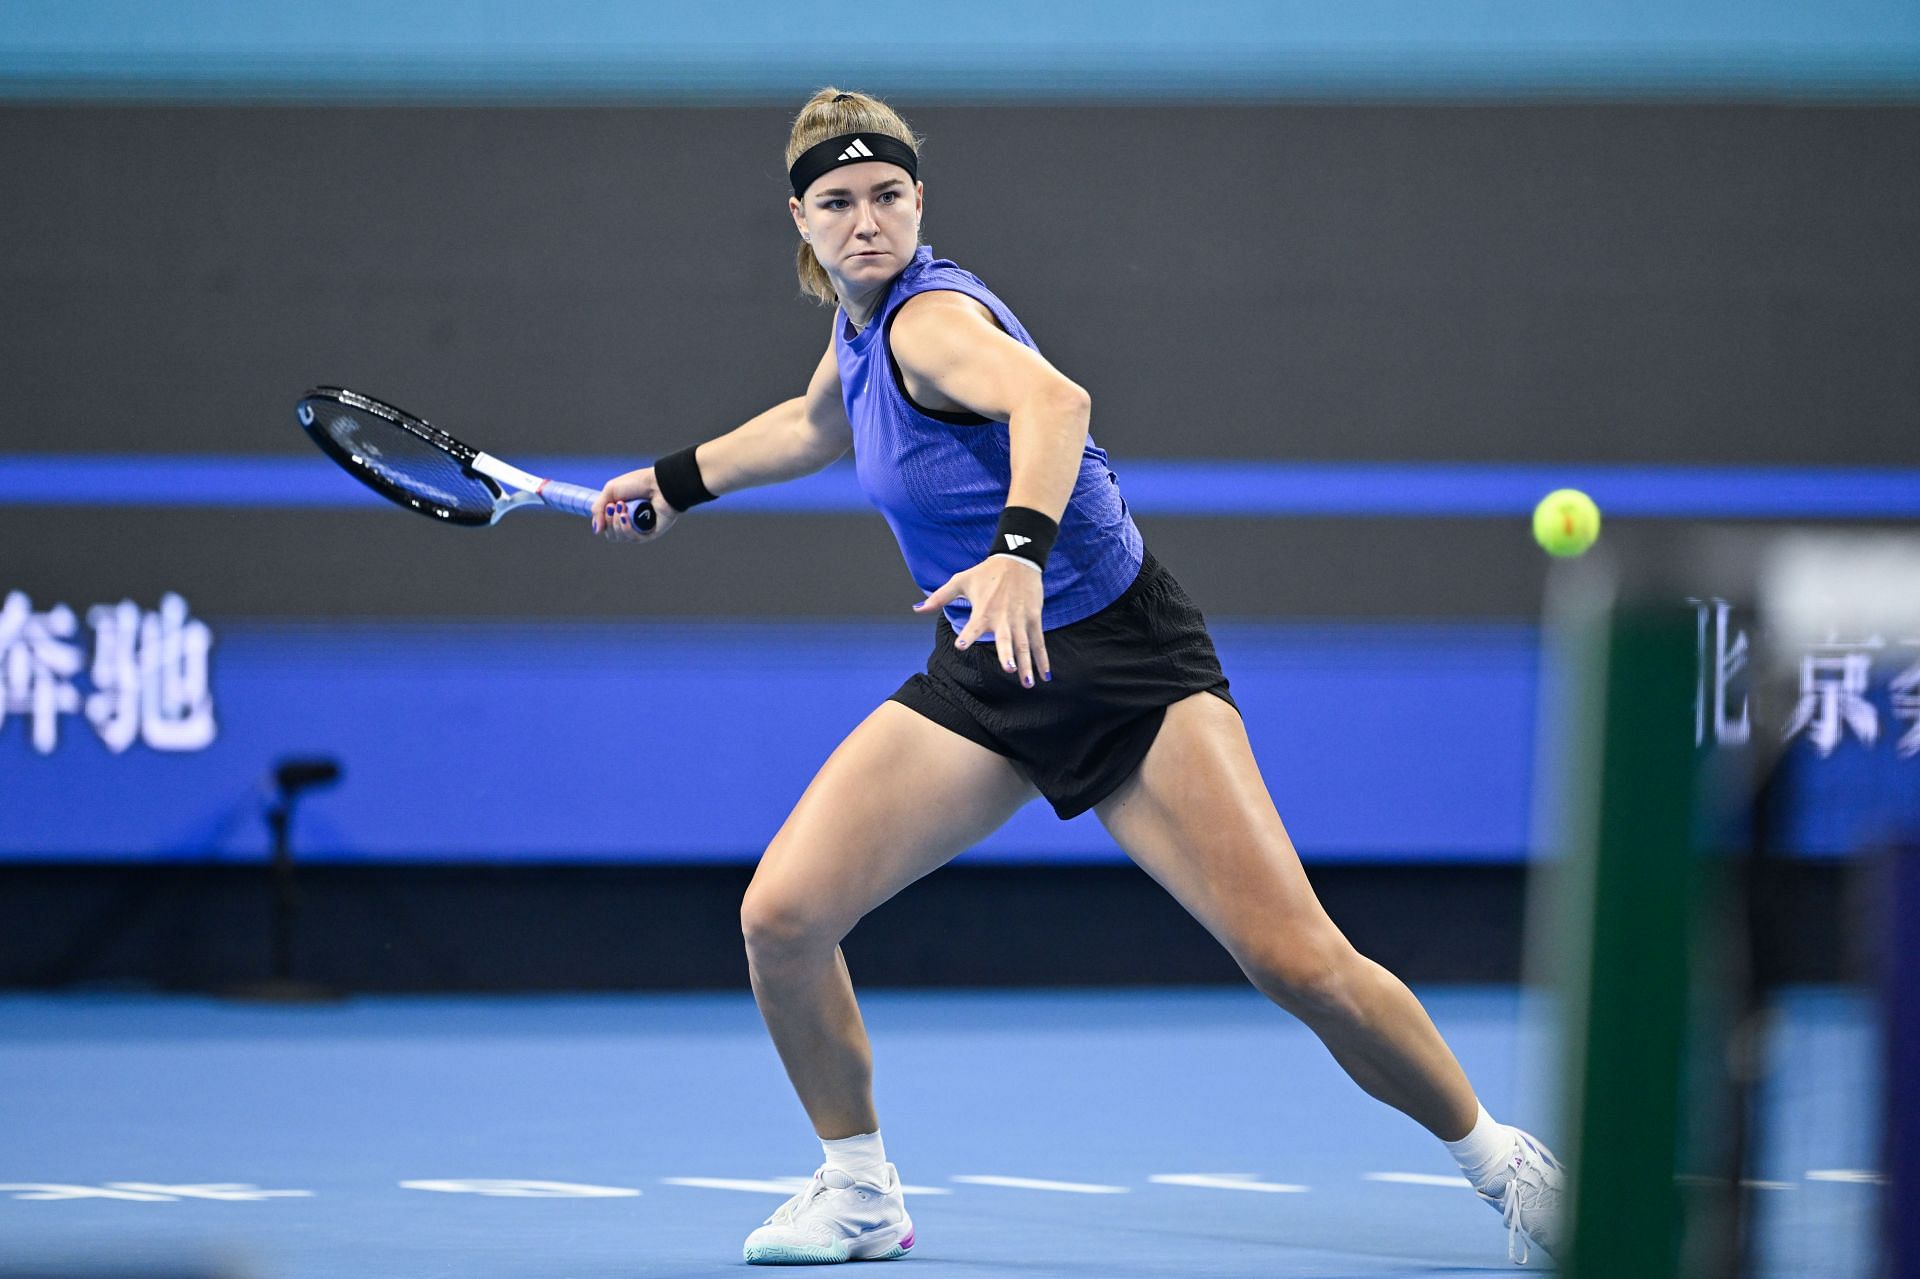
1026 535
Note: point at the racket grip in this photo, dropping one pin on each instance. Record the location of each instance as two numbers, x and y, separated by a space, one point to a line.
576 500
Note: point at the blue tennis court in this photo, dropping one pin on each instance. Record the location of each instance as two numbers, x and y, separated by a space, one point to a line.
1126 1132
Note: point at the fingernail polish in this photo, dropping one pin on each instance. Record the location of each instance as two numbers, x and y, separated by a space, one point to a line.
1027 680
1048 676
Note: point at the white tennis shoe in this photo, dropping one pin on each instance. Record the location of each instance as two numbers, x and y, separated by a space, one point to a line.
835 1218
1530 1196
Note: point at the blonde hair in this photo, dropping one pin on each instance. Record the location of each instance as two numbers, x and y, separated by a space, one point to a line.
828 114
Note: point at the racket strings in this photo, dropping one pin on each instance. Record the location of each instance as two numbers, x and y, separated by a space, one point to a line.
389 454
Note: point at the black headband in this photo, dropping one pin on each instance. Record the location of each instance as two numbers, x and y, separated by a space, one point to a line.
849 148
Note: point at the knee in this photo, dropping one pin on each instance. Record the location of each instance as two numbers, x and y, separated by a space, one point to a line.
1315 977
779 928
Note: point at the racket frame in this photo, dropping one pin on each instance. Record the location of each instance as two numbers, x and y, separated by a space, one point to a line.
510 486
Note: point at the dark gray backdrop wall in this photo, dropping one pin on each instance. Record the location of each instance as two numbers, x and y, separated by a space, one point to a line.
1586 283
1592 283
1686 282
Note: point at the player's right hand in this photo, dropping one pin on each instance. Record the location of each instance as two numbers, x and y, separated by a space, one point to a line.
613 508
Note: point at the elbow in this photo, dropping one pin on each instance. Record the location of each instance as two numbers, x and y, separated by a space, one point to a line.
1070 400
1061 405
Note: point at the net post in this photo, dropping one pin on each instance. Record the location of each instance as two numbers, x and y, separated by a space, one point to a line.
1630 883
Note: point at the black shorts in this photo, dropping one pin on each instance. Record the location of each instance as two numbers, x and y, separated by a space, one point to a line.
1080 735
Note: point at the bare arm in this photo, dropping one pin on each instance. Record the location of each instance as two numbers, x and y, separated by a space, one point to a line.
793 438
951 352
952 355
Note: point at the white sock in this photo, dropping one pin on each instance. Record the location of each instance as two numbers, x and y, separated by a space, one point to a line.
864 1158
1483 1153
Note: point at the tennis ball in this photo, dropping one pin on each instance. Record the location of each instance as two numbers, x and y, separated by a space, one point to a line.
1566 522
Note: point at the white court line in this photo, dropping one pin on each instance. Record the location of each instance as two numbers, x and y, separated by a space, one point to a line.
504 1188
1034 1183
776 1185
1754 1183
220 1190
1227 1181
1852 1176
1416 1178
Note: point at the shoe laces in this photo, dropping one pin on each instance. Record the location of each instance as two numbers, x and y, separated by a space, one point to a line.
1527 1190
819 1185
786 1212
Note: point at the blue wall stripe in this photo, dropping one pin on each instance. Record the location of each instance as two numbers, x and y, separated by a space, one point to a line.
489 740
1174 488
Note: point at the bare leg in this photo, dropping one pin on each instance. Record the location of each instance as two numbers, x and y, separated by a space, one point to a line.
898 798
1197 817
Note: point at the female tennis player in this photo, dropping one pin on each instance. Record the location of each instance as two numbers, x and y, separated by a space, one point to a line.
1066 661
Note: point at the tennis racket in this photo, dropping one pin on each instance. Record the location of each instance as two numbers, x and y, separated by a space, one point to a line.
408 460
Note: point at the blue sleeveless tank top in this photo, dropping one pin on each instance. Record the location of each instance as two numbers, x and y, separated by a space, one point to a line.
941 480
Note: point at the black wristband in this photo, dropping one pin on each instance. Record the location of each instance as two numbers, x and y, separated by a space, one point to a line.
678 476
1026 534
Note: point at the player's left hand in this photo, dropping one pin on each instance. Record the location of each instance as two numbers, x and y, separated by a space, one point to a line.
1006 598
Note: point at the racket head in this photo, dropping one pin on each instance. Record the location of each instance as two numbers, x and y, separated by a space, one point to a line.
403 458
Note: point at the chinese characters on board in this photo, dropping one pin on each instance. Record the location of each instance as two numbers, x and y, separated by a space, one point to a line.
145 679
1834 701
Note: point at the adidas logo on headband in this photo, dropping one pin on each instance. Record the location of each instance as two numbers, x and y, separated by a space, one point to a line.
849 148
